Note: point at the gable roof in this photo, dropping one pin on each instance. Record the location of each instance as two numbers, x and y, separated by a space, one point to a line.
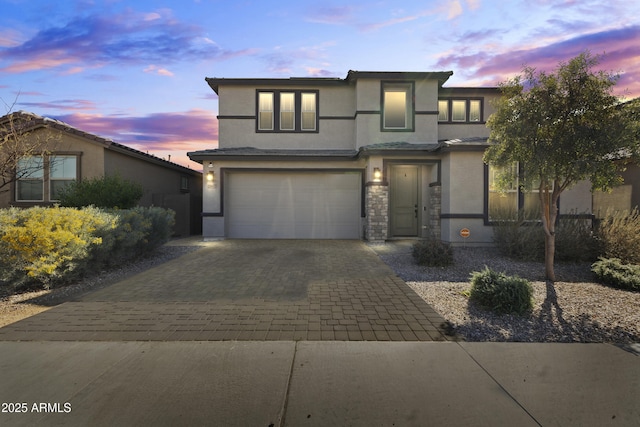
33 121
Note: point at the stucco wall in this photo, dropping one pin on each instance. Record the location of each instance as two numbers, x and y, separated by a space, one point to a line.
90 157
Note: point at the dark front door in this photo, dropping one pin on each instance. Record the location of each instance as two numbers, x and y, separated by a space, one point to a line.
403 189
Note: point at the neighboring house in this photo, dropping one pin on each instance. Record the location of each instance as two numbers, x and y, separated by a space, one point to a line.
376 155
72 154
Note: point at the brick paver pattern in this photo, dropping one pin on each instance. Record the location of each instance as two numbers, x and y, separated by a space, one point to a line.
248 290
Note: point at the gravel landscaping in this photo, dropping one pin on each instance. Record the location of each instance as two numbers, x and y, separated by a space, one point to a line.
573 309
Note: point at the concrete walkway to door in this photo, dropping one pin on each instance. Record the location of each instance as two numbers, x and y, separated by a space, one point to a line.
248 290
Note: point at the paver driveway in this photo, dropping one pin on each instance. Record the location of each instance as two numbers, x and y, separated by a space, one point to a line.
248 290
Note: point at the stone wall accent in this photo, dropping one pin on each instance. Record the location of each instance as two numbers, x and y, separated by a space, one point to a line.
377 211
435 208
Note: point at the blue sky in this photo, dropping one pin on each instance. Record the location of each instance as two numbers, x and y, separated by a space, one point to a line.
134 71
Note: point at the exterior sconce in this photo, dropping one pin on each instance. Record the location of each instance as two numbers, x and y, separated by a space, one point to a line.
210 176
377 174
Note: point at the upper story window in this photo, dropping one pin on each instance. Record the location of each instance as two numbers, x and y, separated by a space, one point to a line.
265 111
35 173
397 106
287 111
460 110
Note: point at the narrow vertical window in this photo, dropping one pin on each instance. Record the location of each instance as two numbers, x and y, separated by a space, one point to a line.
397 108
265 111
30 179
62 171
287 111
459 111
475 110
308 121
503 192
443 110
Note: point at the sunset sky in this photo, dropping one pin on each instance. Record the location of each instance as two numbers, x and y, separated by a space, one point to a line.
133 71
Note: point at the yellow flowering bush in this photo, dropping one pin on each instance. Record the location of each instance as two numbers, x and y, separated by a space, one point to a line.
50 245
43 244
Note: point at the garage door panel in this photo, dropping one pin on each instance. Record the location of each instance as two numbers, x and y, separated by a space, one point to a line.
298 205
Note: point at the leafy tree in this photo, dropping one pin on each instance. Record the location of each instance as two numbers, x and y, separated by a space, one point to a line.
22 135
110 191
561 127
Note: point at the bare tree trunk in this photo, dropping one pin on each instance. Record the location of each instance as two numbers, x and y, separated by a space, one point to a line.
549 256
549 207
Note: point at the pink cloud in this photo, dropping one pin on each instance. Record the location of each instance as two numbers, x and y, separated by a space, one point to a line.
619 48
160 134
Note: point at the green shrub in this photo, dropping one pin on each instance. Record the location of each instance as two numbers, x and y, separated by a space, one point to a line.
576 241
521 237
433 252
45 245
48 246
104 192
619 237
501 293
137 231
613 272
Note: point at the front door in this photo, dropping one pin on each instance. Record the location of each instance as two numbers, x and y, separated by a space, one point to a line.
403 192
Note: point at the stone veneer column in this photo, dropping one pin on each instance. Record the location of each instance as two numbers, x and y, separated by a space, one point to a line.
435 208
377 211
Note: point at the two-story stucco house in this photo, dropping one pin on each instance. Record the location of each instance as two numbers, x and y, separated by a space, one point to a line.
376 155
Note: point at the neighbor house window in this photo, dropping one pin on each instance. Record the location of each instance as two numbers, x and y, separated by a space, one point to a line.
63 170
287 111
443 110
30 179
507 199
397 106
265 111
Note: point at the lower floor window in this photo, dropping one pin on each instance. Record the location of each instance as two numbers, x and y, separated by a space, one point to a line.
41 178
505 195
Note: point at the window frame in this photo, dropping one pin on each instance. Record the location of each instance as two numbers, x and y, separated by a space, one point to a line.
520 195
297 110
467 110
51 159
45 171
30 179
410 104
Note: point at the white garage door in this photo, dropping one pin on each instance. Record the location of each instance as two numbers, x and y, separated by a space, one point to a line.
293 205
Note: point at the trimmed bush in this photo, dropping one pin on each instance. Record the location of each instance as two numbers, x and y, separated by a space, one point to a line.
521 237
104 192
501 293
49 246
613 272
433 252
45 245
618 236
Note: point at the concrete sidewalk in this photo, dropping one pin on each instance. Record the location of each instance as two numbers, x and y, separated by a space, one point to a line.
321 383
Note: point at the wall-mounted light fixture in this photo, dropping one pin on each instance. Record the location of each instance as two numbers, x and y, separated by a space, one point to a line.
377 174
210 176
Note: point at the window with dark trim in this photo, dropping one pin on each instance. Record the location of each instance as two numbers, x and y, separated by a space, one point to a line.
287 111
461 110
505 199
398 106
